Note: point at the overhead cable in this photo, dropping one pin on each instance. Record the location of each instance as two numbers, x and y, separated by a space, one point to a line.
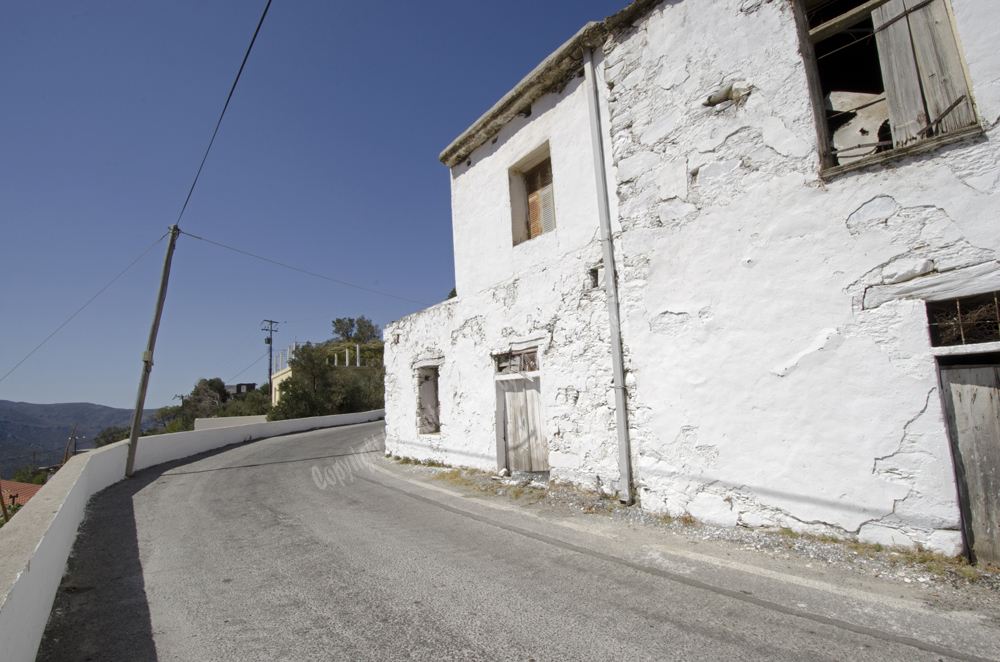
221 115
246 368
310 273
89 301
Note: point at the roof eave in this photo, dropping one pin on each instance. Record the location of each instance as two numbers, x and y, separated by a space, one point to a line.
549 74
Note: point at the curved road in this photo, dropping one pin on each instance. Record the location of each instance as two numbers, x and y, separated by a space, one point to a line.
239 555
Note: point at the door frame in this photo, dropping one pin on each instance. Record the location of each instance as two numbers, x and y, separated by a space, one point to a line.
503 457
961 361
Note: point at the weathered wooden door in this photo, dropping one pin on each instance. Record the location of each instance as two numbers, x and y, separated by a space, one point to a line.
524 429
972 400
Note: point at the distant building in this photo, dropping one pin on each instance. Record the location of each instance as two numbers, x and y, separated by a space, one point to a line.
236 389
17 492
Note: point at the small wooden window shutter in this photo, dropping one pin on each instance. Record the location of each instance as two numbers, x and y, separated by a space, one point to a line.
541 205
922 70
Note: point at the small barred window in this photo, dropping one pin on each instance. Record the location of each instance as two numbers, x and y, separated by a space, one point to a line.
964 321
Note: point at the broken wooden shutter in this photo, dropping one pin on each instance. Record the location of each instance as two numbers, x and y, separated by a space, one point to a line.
922 70
541 205
942 78
907 115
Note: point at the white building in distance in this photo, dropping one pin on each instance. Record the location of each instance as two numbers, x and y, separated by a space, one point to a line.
801 199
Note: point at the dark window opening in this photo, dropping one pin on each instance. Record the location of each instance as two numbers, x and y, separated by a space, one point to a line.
428 406
890 74
965 321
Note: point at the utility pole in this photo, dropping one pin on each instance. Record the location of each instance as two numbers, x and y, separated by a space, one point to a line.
271 327
147 356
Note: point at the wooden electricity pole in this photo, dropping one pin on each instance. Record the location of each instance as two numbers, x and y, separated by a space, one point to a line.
147 356
71 435
271 327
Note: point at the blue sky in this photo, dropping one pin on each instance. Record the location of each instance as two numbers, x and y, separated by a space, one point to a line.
326 160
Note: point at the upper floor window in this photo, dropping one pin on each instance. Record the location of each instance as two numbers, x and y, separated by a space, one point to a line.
889 74
532 203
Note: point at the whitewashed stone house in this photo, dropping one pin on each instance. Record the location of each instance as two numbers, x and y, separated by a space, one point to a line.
764 339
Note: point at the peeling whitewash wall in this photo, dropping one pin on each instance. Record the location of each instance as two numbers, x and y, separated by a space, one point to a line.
779 369
534 294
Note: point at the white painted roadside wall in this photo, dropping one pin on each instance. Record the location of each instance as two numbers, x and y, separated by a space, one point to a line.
35 544
168 447
778 365
226 422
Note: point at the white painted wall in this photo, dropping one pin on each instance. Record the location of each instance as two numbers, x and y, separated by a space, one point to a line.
778 363
768 388
226 422
35 544
535 293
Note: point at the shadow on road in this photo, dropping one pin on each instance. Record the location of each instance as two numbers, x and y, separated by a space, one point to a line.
100 610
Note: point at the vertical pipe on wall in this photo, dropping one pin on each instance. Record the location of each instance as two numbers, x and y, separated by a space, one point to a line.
610 282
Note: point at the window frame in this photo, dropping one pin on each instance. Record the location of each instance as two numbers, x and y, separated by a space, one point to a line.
809 37
519 194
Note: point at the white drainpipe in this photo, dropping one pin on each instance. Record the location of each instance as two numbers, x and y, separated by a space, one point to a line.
610 282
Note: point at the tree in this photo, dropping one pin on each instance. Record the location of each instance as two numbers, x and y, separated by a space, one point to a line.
205 399
361 330
453 293
299 401
343 329
206 396
110 435
254 403
27 474
367 331
311 390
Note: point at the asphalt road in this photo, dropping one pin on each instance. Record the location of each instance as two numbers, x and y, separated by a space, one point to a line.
240 555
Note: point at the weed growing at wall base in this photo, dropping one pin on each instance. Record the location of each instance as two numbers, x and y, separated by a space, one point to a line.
344 469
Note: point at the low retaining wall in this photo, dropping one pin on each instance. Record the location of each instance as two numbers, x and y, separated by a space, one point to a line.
35 544
226 422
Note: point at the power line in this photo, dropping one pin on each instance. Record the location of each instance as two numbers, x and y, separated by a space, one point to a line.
82 307
246 368
221 115
238 352
310 273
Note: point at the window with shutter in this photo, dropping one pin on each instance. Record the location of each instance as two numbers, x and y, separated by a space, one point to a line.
890 76
532 201
541 207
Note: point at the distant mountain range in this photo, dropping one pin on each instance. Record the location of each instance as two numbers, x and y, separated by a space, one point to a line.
40 432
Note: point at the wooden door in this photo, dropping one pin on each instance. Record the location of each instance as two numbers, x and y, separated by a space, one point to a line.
972 401
524 430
